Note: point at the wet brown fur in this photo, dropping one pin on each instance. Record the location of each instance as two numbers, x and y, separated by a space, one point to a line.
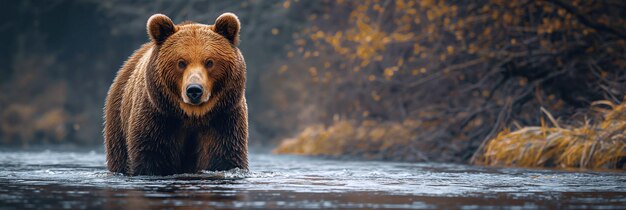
150 130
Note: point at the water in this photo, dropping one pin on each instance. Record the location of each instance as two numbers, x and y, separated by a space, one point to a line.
79 180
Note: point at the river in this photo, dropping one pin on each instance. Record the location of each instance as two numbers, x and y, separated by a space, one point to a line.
79 180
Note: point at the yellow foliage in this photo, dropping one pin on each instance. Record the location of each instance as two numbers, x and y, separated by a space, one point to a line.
445 60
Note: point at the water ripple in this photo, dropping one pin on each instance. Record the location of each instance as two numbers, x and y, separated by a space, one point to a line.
79 173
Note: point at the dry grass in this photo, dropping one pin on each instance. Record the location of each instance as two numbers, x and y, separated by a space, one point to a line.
34 110
368 140
600 145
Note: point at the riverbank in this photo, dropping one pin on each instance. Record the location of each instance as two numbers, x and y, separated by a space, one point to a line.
599 143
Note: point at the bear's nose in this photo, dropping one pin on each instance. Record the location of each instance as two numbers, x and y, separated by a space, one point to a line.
194 92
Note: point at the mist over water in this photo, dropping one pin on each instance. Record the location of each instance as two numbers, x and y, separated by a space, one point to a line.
52 180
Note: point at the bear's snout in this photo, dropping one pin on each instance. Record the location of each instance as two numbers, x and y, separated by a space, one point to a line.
194 92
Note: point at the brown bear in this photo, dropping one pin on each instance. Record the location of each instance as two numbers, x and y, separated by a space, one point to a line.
177 104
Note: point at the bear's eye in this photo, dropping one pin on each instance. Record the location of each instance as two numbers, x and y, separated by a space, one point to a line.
208 63
182 64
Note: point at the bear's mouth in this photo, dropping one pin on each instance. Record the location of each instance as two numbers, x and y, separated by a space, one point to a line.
196 107
197 101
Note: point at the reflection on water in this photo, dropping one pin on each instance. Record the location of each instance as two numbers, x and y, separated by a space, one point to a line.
53 180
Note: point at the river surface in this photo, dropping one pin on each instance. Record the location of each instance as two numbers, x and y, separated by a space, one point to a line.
79 180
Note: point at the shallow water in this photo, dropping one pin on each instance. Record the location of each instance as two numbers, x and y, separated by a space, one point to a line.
79 180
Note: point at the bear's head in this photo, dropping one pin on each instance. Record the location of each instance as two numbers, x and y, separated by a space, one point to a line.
194 67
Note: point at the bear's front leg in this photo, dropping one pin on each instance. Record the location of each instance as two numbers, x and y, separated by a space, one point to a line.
224 145
153 147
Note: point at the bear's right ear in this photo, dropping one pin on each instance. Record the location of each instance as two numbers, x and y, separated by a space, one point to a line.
160 27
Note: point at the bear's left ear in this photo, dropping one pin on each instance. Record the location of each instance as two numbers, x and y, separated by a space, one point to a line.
160 27
228 26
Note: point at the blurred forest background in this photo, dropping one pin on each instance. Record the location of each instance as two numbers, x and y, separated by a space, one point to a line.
430 80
